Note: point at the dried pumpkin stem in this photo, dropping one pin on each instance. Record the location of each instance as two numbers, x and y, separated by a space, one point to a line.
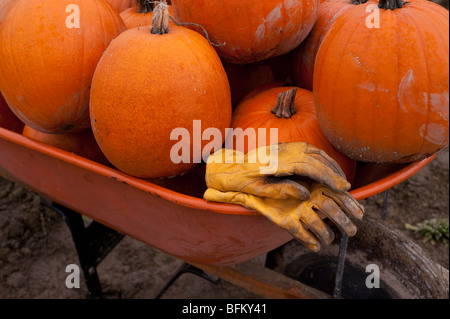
285 107
391 4
197 25
160 21
146 6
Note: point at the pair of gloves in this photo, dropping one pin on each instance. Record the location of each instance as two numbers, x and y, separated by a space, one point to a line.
294 185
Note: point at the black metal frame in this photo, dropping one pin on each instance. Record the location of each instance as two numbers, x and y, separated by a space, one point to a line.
343 250
92 244
186 268
95 241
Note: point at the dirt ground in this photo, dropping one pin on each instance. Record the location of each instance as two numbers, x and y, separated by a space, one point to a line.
36 245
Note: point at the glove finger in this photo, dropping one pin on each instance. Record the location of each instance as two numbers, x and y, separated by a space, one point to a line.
214 195
322 156
315 224
293 225
347 203
272 209
319 172
277 188
312 156
332 210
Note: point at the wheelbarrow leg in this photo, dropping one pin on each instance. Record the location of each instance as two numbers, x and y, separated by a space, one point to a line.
92 244
343 250
340 266
186 268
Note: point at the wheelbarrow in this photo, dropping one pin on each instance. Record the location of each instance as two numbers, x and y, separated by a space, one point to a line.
170 214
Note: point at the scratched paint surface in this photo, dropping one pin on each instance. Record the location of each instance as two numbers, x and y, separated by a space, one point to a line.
381 93
252 30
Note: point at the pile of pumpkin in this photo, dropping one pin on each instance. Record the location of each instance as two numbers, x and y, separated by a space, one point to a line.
367 80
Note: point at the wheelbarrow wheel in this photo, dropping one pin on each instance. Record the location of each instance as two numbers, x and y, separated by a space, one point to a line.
380 263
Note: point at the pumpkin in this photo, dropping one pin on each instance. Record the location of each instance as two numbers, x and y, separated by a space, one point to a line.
47 61
121 5
252 30
4 4
381 94
7 118
245 78
290 110
82 144
140 15
305 53
152 83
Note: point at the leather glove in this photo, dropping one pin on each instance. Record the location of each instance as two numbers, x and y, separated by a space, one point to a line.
301 218
259 172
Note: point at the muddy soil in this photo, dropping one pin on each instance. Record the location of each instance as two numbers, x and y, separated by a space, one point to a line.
36 245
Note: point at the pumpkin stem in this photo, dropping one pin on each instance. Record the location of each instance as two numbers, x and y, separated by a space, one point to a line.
146 6
391 4
197 25
160 21
285 107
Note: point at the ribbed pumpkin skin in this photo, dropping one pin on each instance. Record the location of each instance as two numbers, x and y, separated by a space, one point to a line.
252 30
305 53
381 94
46 68
145 86
133 18
121 5
4 4
255 112
82 144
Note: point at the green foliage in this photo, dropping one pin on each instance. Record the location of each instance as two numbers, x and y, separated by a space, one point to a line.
432 230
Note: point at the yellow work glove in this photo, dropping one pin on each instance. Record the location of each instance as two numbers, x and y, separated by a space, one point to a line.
294 187
259 172
301 218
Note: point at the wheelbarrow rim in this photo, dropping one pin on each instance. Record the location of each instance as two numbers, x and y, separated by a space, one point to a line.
360 193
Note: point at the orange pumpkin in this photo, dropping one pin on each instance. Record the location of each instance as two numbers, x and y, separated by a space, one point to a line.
82 144
8 119
4 4
140 15
150 86
47 60
121 5
294 118
251 30
381 94
305 53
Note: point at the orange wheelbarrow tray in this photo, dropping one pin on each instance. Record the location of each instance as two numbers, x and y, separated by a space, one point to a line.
181 225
